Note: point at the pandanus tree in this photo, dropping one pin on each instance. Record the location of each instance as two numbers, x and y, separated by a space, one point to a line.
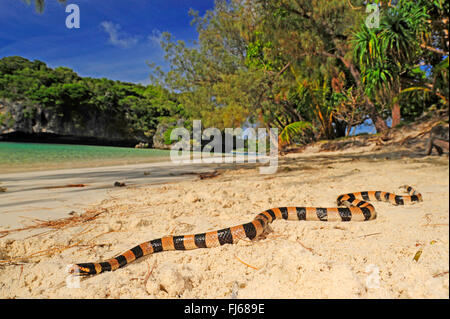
315 37
389 56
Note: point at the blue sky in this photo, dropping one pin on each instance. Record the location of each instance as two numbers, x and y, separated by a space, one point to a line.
115 39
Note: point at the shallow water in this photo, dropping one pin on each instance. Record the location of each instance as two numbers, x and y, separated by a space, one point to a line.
29 156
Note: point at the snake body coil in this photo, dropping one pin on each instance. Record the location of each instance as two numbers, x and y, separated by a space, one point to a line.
357 209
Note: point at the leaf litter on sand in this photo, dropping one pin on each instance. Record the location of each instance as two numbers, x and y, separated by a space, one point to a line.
56 225
60 223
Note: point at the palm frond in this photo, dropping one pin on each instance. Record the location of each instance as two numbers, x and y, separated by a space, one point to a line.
293 129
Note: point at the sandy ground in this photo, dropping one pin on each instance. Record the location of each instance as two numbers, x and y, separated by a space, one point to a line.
42 194
297 260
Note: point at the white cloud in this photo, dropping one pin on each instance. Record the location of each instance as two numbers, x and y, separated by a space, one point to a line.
118 37
155 37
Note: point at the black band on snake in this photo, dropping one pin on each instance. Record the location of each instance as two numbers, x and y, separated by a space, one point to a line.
357 209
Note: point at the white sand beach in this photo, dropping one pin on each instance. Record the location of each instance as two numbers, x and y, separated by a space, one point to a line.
374 259
53 194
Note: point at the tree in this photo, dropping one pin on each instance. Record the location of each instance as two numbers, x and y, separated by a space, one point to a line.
212 77
314 36
389 56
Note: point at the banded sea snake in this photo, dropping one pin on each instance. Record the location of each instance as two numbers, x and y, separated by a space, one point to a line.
357 209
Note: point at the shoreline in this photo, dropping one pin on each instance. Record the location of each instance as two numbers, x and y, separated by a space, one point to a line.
120 161
99 163
51 193
44 194
55 156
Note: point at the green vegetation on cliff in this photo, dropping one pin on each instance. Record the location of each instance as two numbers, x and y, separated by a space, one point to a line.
132 110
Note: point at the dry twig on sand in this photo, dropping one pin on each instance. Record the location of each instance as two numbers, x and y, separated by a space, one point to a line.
208 175
149 272
246 263
201 175
66 186
61 223
440 274
409 137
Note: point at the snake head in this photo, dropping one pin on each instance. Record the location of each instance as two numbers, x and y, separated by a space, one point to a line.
79 270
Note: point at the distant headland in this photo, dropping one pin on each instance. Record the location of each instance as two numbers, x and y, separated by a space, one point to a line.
41 104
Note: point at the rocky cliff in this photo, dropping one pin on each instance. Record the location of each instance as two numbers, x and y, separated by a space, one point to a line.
21 121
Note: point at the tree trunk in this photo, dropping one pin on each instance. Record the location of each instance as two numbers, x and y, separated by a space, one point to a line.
340 127
377 120
396 115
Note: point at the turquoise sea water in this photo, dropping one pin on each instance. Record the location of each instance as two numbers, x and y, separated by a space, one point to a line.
28 155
